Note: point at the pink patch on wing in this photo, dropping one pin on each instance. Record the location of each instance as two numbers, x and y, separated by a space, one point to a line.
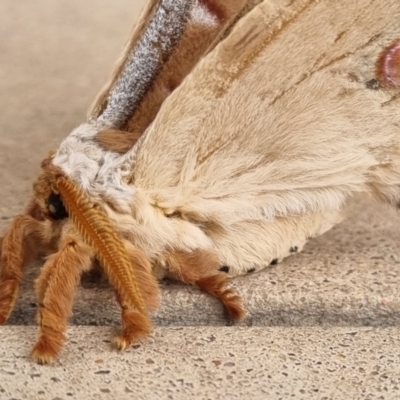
388 66
213 8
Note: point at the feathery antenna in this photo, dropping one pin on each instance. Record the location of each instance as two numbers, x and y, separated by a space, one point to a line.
96 230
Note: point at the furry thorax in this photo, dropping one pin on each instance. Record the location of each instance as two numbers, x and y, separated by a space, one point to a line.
230 133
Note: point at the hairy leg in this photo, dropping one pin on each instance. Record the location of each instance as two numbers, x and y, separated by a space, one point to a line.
201 268
134 325
216 286
20 245
56 288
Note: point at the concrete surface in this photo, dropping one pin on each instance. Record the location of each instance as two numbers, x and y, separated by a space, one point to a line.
54 57
209 363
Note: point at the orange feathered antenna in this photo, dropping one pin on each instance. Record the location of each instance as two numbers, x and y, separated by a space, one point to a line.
97 231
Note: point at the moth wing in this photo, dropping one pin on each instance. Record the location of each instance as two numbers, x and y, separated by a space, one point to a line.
280 118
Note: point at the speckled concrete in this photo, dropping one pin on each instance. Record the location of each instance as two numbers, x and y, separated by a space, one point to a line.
54 57
209 363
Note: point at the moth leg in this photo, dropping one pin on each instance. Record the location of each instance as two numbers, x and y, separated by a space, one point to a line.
216 286
56 288
200 267
20 245
135 326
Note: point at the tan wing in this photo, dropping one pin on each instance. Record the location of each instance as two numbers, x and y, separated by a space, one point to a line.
284 117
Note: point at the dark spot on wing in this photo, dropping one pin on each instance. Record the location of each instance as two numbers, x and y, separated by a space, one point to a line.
372 84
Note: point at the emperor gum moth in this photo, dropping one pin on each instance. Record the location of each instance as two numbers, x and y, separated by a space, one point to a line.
229 134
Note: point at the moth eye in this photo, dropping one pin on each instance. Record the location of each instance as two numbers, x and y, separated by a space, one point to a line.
56 207
224 268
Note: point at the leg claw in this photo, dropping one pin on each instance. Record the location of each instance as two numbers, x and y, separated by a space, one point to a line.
120 343
45 351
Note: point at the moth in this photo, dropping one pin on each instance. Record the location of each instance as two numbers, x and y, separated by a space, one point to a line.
230 134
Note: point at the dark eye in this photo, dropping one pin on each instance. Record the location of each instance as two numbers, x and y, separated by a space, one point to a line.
56 207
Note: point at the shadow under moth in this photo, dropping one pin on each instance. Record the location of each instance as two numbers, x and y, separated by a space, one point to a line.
230 133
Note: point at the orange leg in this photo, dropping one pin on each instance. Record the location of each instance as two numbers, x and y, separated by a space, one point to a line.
134 325
56 288
19 246
216 286
201 268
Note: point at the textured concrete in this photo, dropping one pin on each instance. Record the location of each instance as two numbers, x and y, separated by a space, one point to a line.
209 363
54 57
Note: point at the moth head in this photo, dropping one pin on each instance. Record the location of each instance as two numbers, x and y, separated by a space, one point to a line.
60 198
46 194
